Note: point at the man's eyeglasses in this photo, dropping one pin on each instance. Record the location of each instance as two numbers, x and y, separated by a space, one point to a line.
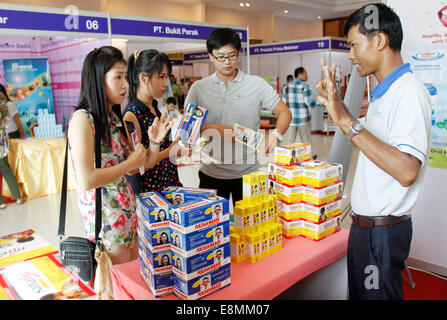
231 57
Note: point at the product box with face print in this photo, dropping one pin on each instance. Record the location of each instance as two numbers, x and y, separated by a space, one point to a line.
195 242
159 262
153 208
199 213
191 124
179 195
160 284
202 285
214 258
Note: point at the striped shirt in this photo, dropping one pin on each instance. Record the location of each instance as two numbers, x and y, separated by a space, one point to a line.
298 97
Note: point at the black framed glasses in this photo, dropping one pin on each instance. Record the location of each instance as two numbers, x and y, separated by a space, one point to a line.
221 58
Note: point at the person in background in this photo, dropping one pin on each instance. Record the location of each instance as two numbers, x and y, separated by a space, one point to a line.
13 126
175 87
393 140
297 95
6 109
171 108
147 73
103 89
231 96
183 92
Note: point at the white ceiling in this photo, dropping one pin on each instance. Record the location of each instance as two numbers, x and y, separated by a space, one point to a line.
298 9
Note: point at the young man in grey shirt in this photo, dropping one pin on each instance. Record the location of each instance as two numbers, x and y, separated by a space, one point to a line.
232 96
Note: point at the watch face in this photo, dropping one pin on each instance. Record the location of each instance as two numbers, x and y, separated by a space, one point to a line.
357 126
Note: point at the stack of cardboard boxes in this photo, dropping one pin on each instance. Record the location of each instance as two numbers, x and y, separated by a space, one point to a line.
309 192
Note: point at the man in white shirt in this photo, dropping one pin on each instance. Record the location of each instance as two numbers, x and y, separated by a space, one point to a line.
393 140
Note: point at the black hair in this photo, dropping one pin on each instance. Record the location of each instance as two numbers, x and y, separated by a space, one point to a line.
93 92
170 100
290 77
298 71
149 62
220 37
388 23
3 90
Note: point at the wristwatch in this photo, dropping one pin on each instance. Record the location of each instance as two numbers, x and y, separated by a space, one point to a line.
278 135
354 129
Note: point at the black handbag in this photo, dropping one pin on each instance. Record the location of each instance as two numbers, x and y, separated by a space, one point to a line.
78 254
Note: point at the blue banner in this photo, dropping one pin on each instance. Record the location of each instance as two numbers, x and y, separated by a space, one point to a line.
28 85
127 27
27 20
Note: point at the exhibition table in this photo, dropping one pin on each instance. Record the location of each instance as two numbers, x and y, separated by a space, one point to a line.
38 166
263 280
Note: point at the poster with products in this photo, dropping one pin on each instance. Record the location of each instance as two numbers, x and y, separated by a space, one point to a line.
28 84
425 48
43 278
23 246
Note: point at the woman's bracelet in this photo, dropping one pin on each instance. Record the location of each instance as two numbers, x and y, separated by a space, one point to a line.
155 143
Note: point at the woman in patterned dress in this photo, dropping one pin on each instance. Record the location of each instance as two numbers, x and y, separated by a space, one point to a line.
147 73
96 104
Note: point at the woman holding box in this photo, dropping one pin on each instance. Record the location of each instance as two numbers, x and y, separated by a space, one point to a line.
147 73
103 88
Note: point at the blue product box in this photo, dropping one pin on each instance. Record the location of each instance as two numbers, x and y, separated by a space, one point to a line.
199 210
188 268
179 195
159 284
203 285
153 208
189 244
191 124
155 239
159 262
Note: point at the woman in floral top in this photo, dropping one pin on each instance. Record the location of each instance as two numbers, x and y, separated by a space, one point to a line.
97 101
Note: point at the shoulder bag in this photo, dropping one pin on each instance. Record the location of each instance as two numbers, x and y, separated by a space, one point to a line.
78 254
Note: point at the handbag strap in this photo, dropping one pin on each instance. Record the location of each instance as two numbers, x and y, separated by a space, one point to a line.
98 196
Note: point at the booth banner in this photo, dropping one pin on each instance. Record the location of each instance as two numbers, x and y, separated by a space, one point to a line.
290 47
165 30
28 84
28 20
196 56
424 47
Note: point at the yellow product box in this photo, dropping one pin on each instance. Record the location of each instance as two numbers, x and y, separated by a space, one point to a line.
237 247
288 174
322 195
292 154
253 242
319 213
242 219
265 243
287 192
290 211
292 228
254 185
318 231
262 182
271 209
320 174
278 233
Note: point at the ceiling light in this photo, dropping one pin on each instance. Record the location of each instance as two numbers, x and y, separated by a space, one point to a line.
286 11
247 4
319 18
241 4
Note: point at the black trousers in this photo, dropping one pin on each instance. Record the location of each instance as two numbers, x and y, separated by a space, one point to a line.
224 187
376 258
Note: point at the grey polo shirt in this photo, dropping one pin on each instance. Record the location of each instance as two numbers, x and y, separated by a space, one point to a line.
240 102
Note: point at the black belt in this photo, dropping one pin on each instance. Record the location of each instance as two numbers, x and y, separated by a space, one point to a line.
371 222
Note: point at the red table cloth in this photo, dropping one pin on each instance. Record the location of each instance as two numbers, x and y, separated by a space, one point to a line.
263 280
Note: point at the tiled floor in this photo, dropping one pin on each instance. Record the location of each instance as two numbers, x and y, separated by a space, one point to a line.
42 214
